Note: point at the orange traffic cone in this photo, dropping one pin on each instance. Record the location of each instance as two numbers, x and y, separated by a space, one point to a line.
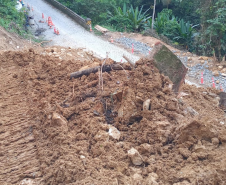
43 16
58 33
54 30
132 48
49 21
221 88
202 81
90 28
52 23
214 86
112 40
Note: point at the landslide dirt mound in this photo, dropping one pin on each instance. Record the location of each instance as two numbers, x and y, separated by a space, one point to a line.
178 139
11 41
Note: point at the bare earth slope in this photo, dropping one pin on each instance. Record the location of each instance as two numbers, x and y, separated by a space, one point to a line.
56 131
17 146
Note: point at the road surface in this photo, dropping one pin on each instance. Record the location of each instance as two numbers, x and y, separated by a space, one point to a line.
73 35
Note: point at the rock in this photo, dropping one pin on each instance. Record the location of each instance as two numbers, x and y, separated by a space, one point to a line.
84 68
202 61
128 107
27 182
101 136
199 147
182 183
189 58
54 50
215 141
192 111
82 157
47 50
220 67
135 157
145 148
60 58
59 121
223 74
57 56
169 64
137 179
69 54
162 123
146 104
223 70
215 73
118 95
202 58
54 53
113 132
184 152
151 179
139 100
217 81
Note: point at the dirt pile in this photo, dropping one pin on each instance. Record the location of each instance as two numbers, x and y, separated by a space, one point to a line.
11 41
155 137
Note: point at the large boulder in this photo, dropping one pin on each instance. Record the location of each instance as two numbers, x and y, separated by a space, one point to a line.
169 64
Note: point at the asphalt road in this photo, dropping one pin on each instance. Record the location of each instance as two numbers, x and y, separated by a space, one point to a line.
73 35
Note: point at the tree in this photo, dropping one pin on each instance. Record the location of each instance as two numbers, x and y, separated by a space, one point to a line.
153 16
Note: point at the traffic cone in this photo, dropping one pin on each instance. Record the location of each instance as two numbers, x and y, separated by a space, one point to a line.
49 21
214 86
112 40
43 16
54 30
132 48
52 23
90 28
58 33
221 88
202 81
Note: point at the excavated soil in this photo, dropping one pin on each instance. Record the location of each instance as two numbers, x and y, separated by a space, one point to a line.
55 130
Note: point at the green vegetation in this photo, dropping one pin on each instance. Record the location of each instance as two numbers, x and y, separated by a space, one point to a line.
200 30
10 18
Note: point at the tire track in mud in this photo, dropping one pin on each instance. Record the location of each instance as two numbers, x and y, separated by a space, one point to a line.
17 143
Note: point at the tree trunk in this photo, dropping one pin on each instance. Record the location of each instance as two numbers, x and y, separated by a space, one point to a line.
153 16
106 68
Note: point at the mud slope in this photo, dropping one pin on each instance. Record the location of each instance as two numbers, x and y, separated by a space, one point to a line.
180 138
17 146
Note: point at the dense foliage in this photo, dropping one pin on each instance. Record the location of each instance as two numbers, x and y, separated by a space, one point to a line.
10 18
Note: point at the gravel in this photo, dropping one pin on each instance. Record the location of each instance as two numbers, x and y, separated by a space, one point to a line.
73 35
139 47
195 73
